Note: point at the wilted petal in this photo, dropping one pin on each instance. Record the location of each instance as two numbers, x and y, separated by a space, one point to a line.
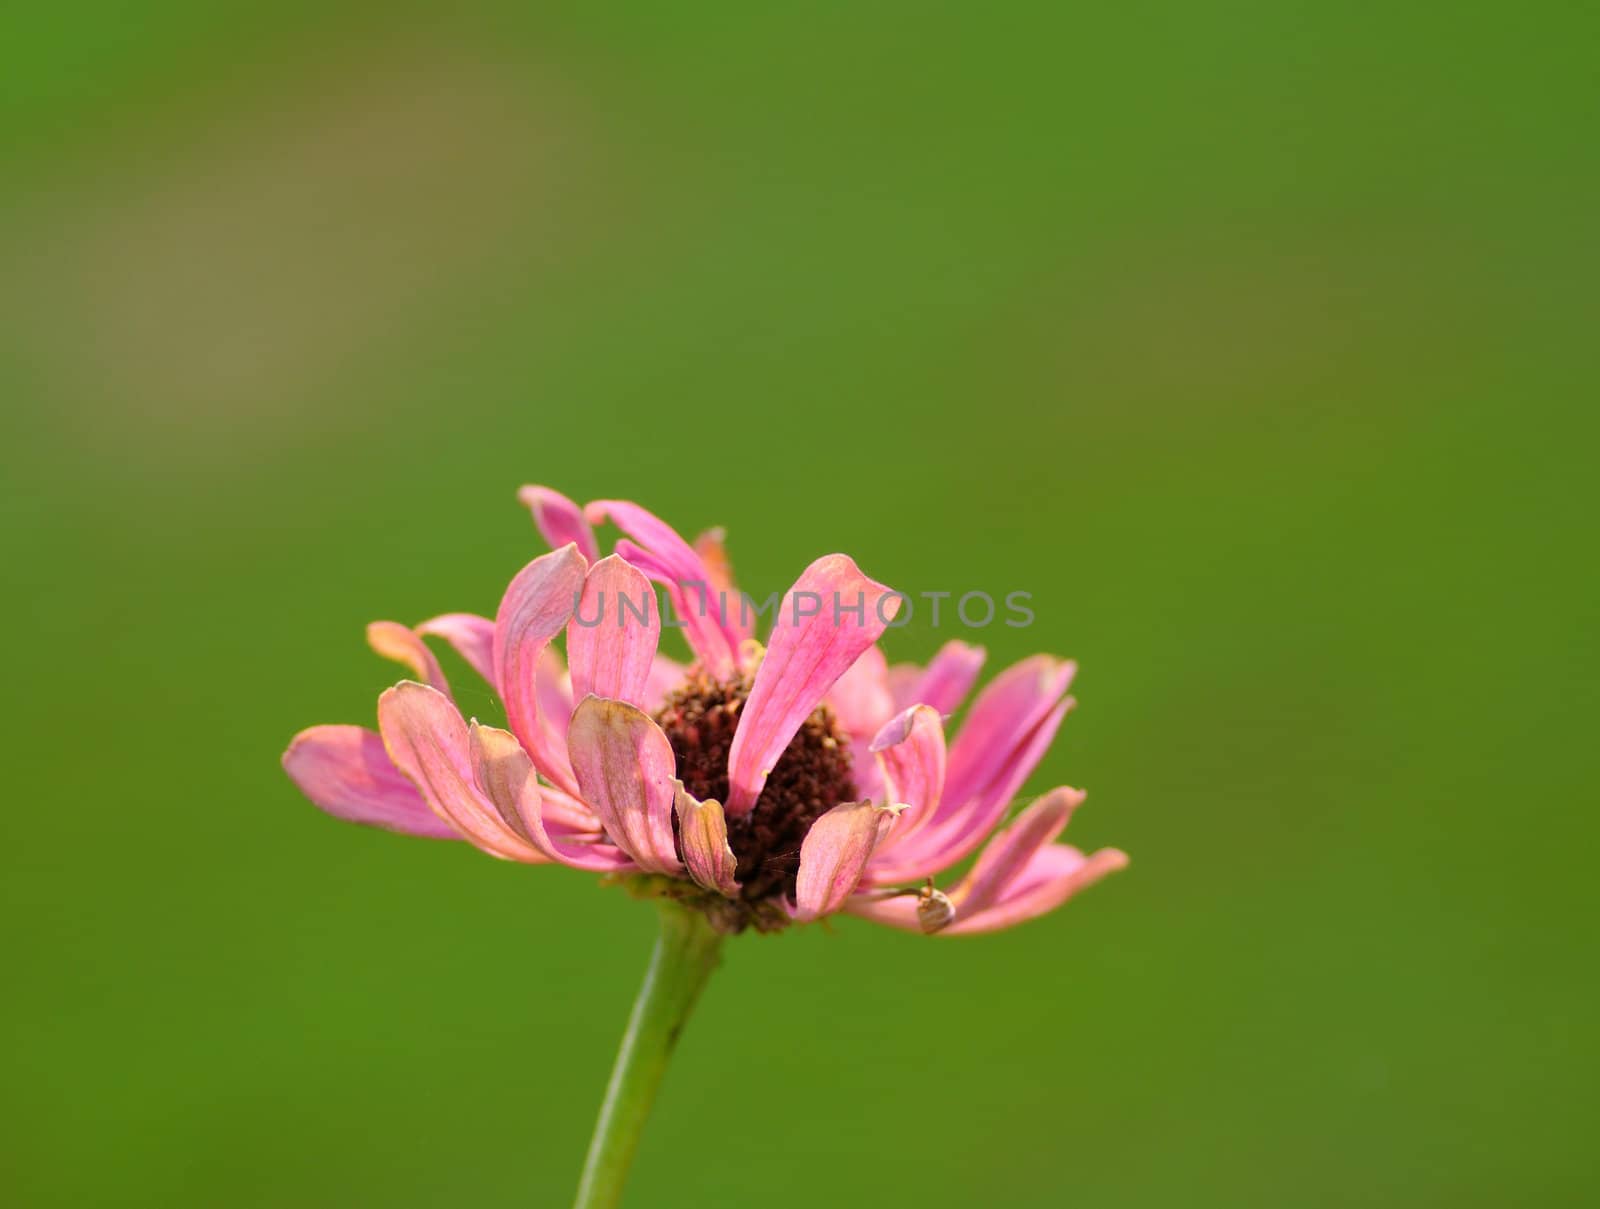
703 832
611 639
807 653
534 610
832 857
1054 874
405 646
559 520
504 773
944 683
346 771
471 636
625 769
427 740
658 551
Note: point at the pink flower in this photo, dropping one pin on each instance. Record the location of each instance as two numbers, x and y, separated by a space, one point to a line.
765 785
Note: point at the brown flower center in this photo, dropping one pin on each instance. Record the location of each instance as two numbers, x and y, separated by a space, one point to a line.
811 777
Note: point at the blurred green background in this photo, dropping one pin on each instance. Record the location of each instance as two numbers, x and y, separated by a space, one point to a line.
1256 340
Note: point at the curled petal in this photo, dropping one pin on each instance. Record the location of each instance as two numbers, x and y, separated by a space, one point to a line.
611 639
944 683
910 752
427 740
831 615
703 832
504 773
534 610
833 855
471 636
405 646
625 769
346 771
559 520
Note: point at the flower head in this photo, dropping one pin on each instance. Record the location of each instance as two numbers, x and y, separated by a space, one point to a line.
764 784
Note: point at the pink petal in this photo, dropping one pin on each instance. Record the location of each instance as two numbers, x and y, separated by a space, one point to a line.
427 740
666 677
609 648
1008 708
832 856
559 520
905 910
566 814
553 688
1054 874
910 751
945 683
703 832
534 610
504 773
957 830
625 769
861 702
900 911
1020 873
903 680
658 551
711 546
405 646
1007 854
806 655
695 610
861 699
471 636
712 549
345 771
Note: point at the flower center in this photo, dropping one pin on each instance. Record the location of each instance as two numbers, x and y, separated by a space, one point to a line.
811 777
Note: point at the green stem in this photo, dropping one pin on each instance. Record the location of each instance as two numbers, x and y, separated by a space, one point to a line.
685 954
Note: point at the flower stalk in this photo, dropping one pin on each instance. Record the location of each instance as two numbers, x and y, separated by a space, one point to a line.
686 952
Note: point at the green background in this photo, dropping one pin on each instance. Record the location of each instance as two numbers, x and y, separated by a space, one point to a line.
1256 340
